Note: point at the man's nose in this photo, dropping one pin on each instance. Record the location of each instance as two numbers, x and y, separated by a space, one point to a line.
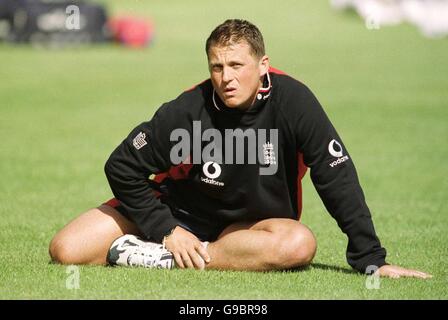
227 74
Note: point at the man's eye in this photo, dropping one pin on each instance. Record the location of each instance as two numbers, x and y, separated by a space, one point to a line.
216 68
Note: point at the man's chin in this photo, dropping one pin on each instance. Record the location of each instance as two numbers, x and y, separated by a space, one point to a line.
234 103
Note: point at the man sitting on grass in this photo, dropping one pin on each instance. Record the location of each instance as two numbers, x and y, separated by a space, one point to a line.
229 156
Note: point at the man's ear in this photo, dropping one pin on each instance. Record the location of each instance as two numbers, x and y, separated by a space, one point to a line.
264 65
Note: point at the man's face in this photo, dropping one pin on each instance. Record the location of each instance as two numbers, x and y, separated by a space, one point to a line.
236 73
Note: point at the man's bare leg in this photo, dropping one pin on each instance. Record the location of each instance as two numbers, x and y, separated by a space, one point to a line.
270 244
265 245
87 239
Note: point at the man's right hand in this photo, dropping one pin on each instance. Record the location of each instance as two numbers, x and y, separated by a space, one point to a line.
187 249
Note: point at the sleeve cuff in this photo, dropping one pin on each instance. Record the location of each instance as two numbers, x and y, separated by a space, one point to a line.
162 229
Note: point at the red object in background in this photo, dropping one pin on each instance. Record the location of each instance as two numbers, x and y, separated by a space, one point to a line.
131 31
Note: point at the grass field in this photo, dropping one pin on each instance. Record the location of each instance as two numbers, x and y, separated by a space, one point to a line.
63 112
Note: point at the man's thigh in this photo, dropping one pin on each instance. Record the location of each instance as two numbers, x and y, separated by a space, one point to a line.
275 225
87 238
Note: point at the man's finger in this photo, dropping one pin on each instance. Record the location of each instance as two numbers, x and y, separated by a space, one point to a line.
412 273
197 260
422 275
187 260
179 261
390 274
395 274
203 253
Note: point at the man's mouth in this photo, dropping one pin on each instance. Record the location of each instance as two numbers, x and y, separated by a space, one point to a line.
229 91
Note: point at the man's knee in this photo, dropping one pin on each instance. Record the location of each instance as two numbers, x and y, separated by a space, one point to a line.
62 250
87 238
296 247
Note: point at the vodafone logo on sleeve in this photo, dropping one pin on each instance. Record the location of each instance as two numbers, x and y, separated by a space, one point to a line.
335 149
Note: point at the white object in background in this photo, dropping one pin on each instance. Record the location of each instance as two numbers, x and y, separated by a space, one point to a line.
430 16
383 12
343 4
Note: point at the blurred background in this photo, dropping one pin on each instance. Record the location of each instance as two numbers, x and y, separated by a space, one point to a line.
69 95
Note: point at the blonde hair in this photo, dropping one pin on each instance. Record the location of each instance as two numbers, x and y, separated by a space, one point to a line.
234 31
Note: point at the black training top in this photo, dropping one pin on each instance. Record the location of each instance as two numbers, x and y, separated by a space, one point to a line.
286 126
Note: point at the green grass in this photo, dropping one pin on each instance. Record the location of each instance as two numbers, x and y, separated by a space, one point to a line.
62 113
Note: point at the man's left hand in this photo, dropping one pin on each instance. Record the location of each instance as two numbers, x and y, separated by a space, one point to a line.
398 272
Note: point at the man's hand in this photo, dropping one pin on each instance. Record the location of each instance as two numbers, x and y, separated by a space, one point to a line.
397 272
187 249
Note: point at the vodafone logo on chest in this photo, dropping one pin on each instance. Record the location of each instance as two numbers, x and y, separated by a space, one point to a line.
335 149
216 167
212 170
